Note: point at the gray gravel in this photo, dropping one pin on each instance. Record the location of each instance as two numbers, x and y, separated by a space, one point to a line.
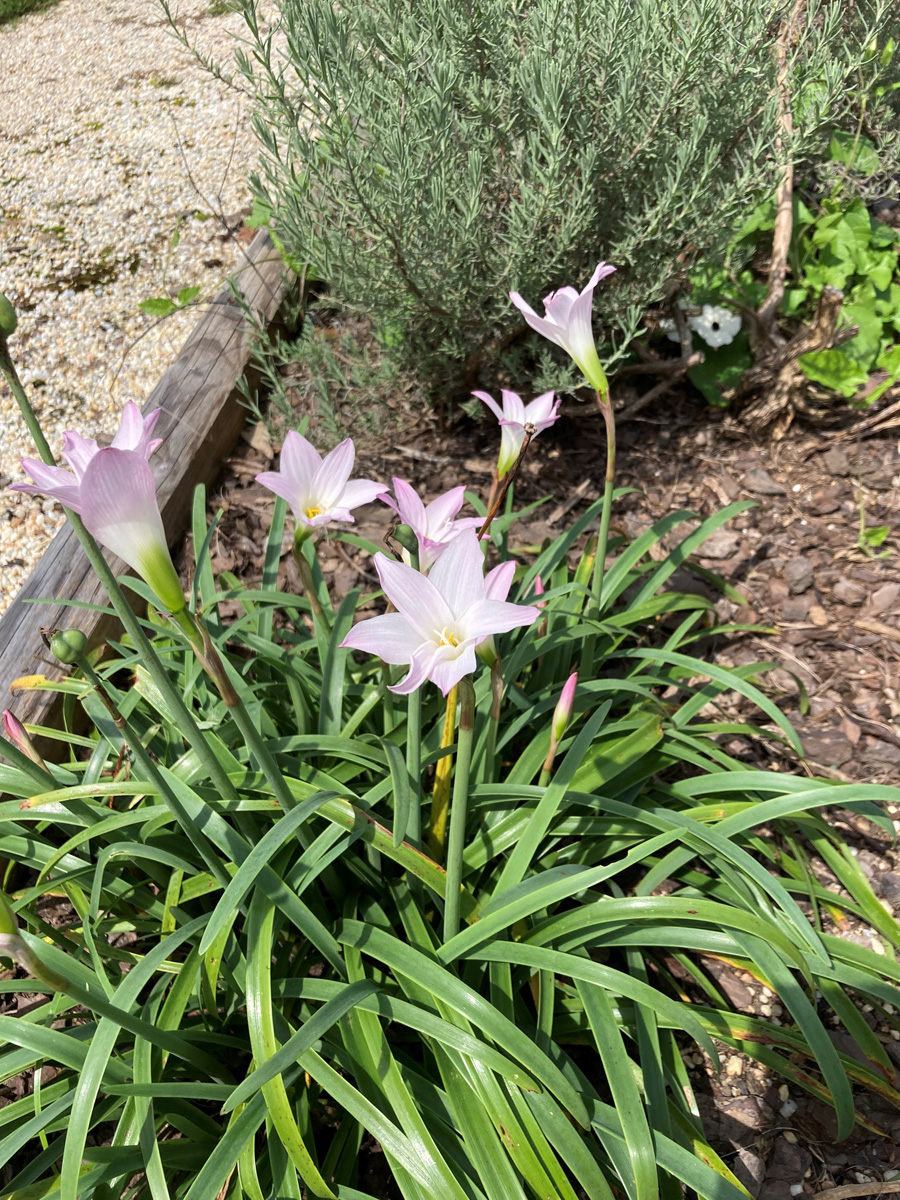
95 97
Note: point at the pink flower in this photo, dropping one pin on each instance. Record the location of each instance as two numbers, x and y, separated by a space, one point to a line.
567 322
114 492
441 618
65 486
318 490
513 417
433 524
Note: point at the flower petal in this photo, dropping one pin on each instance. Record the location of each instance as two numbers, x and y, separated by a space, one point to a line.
447 672
288 488
78 451
119 507
419 670
498 581
491 403
135 430
414 597
493 616
359 491
299 460
390 637
441 511
542 411
409 507
458 575
558 305
331 477
513 407
601 271
540 325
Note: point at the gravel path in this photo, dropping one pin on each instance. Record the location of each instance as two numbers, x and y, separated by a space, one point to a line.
98 101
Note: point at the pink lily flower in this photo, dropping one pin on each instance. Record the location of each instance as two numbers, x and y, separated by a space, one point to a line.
318 490
441 618
567 322
513 417
433 523
114 493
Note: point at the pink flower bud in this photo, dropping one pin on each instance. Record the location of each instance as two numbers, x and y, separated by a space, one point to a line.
18 735
539 591
563 712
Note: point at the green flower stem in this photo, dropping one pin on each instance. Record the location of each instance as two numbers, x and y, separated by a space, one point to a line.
387 700
184 718
490 749
306 578
28 414
459 807
440 794
414 766
604 403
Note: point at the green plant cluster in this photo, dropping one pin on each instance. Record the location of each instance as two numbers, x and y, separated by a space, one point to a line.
426 160
841 246
252 984
12 10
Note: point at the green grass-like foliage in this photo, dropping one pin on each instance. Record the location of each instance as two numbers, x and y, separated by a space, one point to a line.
11 10
425 159
284 991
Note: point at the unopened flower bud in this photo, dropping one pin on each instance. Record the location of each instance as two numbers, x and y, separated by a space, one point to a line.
8 318
18 735
539 590
562 714
68 646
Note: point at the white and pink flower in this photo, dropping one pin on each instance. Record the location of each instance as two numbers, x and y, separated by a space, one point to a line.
433 524
567 322
319 490
114 492
441 618
515 414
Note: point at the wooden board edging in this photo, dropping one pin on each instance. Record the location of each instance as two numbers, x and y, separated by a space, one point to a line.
200 423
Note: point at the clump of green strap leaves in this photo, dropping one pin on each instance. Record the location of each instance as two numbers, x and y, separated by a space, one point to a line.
250 990
424 160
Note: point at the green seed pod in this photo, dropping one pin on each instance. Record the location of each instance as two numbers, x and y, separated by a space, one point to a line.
69 645
8 318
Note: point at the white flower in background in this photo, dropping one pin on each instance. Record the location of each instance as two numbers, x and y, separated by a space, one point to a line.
717 326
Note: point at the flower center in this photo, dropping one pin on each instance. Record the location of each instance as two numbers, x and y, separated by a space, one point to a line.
447 638
313 512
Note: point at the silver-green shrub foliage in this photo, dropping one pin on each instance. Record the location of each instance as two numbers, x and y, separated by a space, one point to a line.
427 157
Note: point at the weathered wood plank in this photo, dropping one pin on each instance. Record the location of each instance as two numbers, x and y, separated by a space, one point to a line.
200 422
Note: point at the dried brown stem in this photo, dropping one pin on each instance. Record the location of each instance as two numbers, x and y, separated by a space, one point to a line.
784 204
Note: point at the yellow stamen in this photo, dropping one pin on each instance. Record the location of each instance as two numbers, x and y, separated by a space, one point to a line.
313 512
447 638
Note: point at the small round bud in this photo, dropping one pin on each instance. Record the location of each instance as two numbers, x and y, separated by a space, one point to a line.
8 318
69 645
